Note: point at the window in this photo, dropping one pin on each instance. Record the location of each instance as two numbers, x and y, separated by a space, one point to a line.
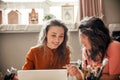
56 10
23 0
40 6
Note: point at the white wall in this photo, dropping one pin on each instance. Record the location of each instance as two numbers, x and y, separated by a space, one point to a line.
13 48
111 11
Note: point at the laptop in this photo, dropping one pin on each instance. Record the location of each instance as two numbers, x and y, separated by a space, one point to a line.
52 74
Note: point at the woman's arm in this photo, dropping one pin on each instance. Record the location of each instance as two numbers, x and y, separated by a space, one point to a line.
110 77
113 53
113 67
29 61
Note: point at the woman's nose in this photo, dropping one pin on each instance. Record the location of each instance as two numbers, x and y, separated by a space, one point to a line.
57 39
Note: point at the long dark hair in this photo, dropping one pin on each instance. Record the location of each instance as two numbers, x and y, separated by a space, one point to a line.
62 49
98 35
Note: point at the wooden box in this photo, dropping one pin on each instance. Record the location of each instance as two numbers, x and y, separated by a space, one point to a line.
14 17
33 17
0 17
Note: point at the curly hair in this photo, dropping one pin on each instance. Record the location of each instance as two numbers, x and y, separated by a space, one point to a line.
98 35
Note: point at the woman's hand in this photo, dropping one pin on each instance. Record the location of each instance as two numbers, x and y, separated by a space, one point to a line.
74 71
15 78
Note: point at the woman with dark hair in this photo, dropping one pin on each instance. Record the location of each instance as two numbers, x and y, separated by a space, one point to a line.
52 51
98 45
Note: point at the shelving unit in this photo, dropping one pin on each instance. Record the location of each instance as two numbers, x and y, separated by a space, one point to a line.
33 28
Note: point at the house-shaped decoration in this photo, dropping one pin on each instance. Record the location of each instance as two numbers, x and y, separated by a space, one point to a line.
0 17
14 17
33 17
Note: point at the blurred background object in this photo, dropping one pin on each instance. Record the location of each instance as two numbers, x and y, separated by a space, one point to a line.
115 31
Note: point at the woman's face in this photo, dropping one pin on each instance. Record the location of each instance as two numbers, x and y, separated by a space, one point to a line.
55 37
85 41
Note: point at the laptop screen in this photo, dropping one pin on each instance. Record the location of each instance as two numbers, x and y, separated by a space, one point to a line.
54 74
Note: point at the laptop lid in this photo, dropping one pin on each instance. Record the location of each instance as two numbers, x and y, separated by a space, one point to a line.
54 74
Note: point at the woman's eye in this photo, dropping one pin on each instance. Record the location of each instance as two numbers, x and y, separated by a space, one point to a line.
53 35
61 36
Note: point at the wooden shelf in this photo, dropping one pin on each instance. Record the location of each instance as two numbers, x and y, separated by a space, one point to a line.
33 28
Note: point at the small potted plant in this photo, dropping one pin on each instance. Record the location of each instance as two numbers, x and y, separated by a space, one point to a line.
48 17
